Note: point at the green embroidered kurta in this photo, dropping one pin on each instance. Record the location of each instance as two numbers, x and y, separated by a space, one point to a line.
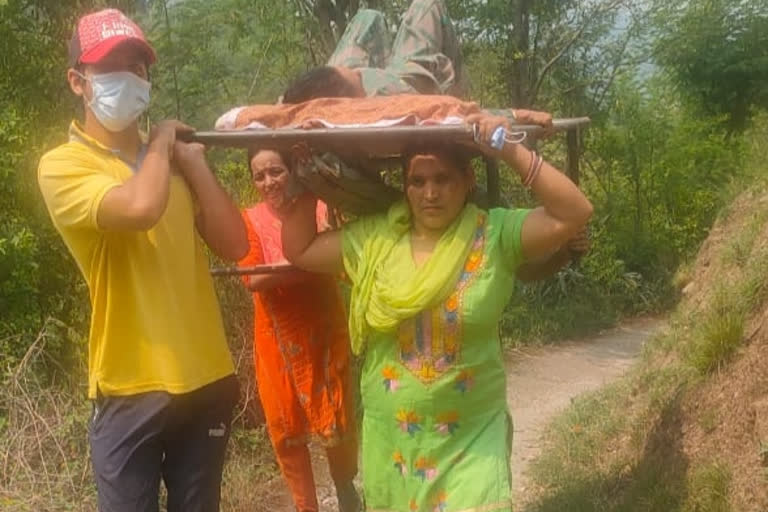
436 433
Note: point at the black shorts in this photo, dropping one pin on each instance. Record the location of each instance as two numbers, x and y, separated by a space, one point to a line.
138 439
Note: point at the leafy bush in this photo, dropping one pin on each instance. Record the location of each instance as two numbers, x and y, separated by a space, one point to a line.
656 177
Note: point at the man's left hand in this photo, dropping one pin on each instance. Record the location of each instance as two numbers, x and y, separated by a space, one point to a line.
187 155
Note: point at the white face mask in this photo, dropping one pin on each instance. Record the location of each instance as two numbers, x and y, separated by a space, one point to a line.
119 98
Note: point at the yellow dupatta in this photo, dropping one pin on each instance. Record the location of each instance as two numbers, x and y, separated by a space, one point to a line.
387 285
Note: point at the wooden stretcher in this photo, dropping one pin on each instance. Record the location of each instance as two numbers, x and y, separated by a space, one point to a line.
380 143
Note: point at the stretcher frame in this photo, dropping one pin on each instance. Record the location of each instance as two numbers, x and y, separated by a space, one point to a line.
331 138
373 142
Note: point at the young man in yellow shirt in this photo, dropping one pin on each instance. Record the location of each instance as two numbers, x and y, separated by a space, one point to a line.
133 213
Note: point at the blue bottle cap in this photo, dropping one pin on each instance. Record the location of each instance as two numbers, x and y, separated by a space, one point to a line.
497 139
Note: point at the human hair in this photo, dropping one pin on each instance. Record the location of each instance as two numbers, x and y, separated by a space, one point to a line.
253 151
456 154
320 82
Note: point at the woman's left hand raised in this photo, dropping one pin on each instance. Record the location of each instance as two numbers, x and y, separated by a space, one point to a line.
485 125
543 119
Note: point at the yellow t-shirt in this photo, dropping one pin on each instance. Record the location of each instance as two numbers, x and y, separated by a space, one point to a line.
155 320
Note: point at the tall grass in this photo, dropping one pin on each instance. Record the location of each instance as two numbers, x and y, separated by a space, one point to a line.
708 489
719 334
44 455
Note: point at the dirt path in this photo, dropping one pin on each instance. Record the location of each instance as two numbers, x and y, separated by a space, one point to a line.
541 383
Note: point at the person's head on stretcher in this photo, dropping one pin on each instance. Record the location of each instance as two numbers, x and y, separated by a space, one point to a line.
271 177
325 82
438 181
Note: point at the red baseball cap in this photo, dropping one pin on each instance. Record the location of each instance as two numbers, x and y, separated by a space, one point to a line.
98 33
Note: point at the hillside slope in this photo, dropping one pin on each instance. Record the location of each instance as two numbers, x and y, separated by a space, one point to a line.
687 430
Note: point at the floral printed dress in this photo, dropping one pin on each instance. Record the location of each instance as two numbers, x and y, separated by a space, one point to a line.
301 351
436 433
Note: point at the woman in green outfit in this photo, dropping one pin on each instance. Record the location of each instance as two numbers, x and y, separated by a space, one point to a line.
430 280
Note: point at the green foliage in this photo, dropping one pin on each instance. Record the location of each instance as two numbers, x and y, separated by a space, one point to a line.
656 176
720 331
658 173
718 52
717 339
708 489
738 251
217 55
560 56
37 278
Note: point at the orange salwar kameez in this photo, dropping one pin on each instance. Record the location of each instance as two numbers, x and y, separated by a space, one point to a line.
301 355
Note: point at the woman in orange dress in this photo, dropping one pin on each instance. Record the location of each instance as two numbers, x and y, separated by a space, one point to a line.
301 349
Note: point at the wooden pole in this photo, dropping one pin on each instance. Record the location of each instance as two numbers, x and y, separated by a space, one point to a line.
492 182
572 158
255 270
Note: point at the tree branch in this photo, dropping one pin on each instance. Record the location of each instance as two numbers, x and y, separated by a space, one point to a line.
173 63
325 12
553 61
258 69
614 72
